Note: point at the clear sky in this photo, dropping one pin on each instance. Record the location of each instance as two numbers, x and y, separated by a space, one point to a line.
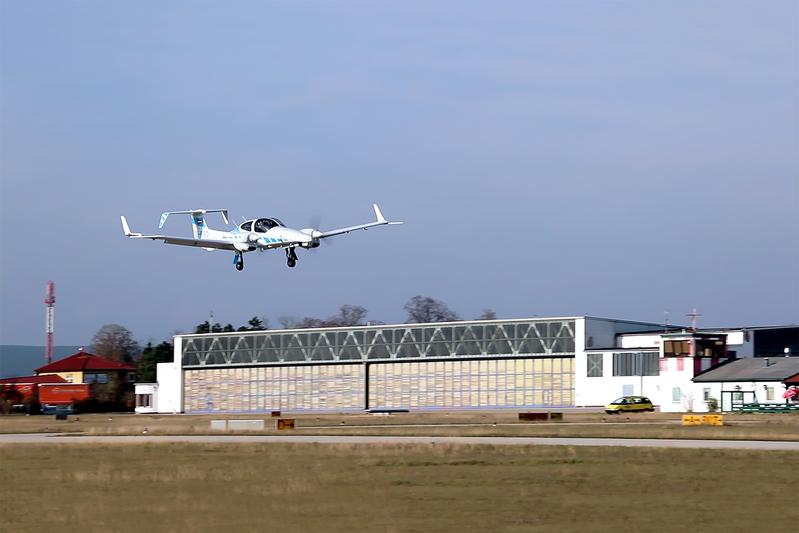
615 159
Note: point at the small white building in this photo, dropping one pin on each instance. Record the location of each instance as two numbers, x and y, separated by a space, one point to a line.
760 380
164 396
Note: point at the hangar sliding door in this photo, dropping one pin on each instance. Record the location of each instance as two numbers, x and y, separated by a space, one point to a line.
273 388
464 384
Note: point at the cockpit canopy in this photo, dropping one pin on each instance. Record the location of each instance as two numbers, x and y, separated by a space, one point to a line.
261 225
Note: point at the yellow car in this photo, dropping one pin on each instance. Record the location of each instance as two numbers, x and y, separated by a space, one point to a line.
629 403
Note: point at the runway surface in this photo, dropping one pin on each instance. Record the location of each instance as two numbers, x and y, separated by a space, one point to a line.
56 438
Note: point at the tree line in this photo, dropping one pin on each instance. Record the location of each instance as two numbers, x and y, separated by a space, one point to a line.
116 342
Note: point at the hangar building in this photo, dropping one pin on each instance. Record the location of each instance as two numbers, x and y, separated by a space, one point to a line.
483 364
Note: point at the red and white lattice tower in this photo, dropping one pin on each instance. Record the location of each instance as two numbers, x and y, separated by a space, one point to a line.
50 302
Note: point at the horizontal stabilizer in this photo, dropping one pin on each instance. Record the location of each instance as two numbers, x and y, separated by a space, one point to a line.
192 212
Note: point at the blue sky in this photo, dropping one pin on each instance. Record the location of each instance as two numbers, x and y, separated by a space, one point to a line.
608 158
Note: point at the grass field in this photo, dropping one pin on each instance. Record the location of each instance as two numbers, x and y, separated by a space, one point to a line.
640 425
292 487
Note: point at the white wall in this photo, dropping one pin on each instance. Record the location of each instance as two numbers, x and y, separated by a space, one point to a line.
660 389
152 390
596 391
170 388
603 334
640 341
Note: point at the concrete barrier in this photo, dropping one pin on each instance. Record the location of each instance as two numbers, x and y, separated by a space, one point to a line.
219 425
245 425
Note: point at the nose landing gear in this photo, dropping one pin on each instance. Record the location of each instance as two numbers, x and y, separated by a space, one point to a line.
291 257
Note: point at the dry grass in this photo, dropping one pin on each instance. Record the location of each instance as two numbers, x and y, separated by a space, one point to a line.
309 487
577 424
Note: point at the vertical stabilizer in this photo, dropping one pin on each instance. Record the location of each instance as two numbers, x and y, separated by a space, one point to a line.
198 225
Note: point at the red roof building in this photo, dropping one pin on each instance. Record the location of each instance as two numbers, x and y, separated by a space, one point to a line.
84 362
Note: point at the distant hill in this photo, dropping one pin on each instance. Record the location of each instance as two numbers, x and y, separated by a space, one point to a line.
18 360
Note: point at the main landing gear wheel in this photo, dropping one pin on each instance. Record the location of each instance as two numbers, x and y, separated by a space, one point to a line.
238 260
291 257
240 265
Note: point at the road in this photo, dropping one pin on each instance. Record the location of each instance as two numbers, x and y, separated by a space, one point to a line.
55 438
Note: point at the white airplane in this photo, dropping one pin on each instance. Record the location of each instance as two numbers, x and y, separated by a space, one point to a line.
251 235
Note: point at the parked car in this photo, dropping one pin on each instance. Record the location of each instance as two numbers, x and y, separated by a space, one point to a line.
629 403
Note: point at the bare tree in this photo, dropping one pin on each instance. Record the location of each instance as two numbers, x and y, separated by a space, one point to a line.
309 322
422 309
115 342
288 322
348 315
487 314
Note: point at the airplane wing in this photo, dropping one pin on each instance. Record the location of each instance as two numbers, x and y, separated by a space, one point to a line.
182 241
381 220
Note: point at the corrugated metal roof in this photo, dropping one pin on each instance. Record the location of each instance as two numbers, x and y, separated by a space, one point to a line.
752 369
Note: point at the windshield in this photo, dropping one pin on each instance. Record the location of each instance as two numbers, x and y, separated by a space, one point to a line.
621 400
262 225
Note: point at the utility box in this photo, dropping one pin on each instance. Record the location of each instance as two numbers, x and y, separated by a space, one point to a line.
285 423
713 420
691 420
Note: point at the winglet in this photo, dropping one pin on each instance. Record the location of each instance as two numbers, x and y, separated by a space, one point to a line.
126 228
378 214
380 218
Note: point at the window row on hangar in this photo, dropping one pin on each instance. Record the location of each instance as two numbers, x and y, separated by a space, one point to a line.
374 343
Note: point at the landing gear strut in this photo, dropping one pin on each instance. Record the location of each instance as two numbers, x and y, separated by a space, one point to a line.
238 260
291 257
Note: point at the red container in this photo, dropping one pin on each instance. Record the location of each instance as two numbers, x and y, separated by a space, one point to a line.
62 393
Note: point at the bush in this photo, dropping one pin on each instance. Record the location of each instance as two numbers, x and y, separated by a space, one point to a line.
712 404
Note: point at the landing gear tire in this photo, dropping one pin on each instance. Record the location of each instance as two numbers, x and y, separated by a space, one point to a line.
291 257
240 265
238 260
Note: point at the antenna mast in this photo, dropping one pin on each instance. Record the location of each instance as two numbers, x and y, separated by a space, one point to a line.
694 315
50 302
